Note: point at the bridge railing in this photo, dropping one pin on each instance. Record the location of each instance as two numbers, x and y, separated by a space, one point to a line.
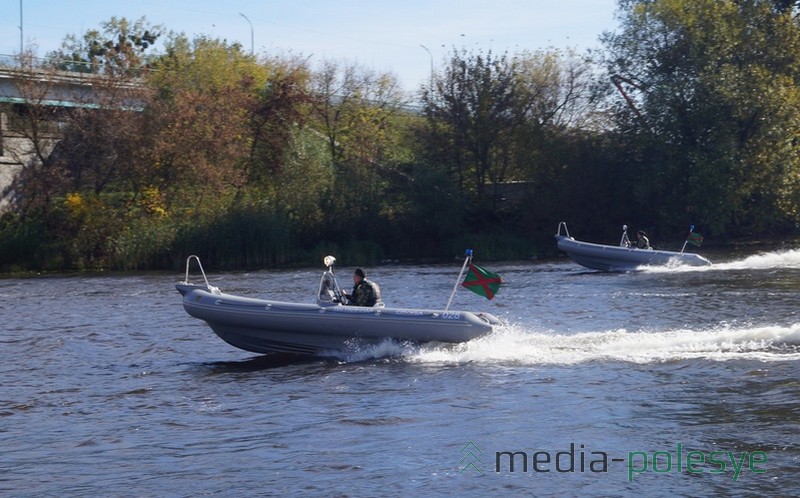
12 62
9 61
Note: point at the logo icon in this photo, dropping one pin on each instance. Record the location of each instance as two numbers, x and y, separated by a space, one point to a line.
470 458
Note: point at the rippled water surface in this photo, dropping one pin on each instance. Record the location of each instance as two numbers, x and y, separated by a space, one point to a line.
110 389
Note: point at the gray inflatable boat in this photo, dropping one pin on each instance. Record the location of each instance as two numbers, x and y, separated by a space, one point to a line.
321 329
622 257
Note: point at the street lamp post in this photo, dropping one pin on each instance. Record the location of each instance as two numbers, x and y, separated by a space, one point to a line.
431 56
251 33
21 44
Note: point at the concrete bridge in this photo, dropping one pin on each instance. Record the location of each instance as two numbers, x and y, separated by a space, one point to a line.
26 85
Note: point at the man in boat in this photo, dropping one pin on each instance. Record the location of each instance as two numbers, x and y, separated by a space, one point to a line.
642 242
365 292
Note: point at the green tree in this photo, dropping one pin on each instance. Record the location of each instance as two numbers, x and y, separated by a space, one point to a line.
120 46
556 100
279 110
493 119
356 112
716 87
473 109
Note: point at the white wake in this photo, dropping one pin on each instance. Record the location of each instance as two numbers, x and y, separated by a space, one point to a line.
788 259
518 346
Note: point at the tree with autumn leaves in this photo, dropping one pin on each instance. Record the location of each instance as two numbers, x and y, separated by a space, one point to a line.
221 151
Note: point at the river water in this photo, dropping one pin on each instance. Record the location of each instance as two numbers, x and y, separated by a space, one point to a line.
667 381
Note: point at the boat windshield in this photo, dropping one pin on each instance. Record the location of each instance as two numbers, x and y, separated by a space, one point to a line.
625 241
327 289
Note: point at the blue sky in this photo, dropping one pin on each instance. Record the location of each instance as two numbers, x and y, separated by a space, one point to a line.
381 35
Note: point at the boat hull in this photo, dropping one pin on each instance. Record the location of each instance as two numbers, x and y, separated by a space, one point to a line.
618 258
264 326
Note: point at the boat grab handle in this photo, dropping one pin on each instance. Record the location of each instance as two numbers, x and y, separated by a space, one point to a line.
199 264
563 224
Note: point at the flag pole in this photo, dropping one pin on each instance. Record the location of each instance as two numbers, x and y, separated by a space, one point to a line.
467 259
691 229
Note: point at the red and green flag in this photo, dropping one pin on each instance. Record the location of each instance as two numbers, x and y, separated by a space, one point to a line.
482 282
695 238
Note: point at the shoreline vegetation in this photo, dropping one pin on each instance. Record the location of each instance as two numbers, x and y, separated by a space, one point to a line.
195 146
741 248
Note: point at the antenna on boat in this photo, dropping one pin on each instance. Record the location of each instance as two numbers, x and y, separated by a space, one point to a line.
467 259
